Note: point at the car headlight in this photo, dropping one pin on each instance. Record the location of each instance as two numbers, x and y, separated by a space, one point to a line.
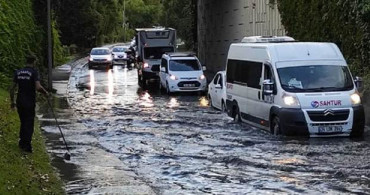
173 77
91 59
355 99
109 58
290 100
202 77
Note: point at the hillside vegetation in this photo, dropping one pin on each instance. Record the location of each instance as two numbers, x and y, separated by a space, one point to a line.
21 34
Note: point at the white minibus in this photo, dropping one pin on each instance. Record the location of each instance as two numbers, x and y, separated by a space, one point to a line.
293 88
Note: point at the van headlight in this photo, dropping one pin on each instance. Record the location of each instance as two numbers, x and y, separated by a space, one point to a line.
201 77
355 99
290 100
173 77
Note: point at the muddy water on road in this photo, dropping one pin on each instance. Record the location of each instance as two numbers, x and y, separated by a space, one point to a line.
179 145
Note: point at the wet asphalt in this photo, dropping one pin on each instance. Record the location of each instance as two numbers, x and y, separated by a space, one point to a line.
127 140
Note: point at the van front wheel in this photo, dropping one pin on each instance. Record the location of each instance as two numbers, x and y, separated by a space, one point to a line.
275 127
237 115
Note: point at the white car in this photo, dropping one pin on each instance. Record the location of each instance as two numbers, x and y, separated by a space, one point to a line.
100 57
181 72
217 91
119 55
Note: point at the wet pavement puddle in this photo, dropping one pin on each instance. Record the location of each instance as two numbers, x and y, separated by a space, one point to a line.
125 140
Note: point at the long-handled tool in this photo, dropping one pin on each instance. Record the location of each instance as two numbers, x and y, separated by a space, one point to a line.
67 155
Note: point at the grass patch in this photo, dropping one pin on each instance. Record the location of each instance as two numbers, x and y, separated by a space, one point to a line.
22 173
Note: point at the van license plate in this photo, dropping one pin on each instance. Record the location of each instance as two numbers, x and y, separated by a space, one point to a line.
189 85
330 129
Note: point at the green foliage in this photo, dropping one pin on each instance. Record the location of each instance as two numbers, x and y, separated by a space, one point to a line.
143 14
58 50
181 15
20 173
344 22
21 34
88 23
17 34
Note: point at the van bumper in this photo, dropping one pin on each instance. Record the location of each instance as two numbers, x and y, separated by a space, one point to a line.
293 122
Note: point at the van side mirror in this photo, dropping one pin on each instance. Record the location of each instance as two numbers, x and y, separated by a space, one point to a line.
204 68
359 84
268 87
163 69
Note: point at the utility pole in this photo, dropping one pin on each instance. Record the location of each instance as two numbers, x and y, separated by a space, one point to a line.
124 25
50 47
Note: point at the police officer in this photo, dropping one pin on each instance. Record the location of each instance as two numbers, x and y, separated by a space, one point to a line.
27 80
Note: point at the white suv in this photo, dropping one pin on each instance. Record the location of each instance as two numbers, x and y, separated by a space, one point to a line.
181 72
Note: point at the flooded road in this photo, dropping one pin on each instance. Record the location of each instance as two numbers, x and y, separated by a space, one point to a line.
125 140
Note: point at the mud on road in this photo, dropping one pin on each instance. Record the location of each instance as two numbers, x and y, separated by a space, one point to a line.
125 139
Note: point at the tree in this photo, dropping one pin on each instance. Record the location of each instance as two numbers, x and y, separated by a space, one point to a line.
181 15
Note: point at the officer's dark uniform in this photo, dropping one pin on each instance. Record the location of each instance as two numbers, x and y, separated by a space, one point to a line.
26 102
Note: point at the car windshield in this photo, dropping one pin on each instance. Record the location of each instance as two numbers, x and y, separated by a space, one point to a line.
100 52
184 65
318 78
120 49
156 52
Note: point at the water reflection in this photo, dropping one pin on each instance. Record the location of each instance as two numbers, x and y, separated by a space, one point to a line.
115 75
289 161
203 102
173 103
146 100
125 77
92 82
110 85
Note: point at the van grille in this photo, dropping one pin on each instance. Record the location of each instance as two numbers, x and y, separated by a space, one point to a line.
329 115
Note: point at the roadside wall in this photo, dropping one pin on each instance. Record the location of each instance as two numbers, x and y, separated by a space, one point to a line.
222 22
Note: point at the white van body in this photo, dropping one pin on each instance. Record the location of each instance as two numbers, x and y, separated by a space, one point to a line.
311 89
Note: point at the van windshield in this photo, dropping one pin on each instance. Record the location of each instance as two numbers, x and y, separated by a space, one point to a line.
318 78
184 65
